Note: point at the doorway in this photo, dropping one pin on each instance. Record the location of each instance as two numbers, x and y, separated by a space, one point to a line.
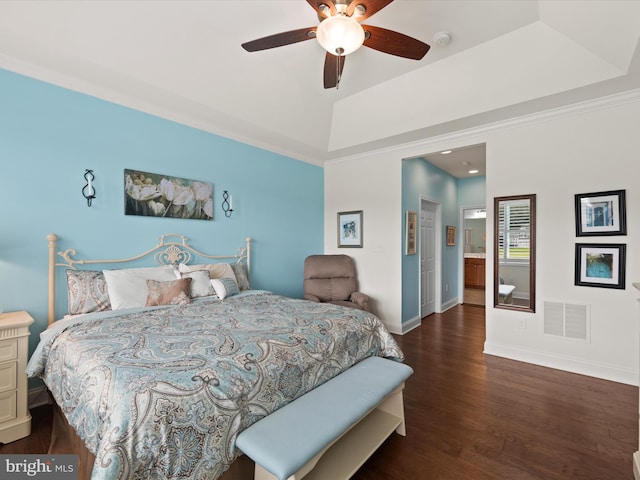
473 253
430 254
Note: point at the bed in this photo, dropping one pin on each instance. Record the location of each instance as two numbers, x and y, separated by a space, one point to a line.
161 390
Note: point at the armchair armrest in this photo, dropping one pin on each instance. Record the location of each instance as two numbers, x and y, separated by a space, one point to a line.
313 298
360 299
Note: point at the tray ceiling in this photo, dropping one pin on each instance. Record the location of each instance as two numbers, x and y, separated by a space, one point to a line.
182 60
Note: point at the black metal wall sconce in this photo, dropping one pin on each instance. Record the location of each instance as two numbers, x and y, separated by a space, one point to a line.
88 191
227 204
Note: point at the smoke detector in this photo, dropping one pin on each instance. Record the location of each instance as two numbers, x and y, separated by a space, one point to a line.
442 39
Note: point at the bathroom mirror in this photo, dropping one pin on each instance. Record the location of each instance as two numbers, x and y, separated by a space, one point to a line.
514 253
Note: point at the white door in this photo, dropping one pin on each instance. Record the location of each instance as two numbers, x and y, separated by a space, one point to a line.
427 258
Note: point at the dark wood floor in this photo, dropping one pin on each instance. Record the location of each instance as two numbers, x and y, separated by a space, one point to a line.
475 417
472 416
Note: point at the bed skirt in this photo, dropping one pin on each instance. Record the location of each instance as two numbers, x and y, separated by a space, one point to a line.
64 440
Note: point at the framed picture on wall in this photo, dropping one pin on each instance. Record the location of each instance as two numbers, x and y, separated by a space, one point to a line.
451 236
411 221
600 265
350 229
601 213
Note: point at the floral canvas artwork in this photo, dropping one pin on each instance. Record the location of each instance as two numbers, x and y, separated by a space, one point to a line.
155 195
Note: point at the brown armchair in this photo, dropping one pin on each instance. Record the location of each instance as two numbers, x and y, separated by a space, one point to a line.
332 278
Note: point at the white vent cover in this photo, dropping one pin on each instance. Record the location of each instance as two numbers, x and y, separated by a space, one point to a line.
567 320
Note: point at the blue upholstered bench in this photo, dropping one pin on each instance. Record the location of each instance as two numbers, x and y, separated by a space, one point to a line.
330 431
505 293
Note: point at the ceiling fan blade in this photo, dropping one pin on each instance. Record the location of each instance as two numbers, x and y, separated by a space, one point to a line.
280 39
394 43
316 6
371 7
333 66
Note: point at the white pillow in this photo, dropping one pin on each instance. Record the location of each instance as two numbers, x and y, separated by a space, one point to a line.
225 287
200 283
216 270
127 287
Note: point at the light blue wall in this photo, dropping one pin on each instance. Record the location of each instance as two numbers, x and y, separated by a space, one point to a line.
420 177
472 192
50 135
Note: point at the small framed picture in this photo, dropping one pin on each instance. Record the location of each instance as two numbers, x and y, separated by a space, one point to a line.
600 265
451 236
601 213
411 233
350 229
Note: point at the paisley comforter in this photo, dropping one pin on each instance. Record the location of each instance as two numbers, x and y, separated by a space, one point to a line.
163 392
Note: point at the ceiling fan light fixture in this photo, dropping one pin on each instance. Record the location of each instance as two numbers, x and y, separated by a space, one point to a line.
340 35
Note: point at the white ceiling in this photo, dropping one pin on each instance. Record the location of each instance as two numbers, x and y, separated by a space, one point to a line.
464 162
182 60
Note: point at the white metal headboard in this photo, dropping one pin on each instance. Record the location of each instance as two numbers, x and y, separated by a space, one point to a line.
171 250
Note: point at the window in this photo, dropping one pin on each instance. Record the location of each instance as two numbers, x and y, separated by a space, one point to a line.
514 222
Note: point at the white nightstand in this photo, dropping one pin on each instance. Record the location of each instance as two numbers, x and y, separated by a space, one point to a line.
15 419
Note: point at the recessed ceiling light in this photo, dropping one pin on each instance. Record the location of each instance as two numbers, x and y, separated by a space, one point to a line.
473 171
446 152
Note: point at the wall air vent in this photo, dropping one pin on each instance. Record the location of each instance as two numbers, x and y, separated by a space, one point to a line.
567 320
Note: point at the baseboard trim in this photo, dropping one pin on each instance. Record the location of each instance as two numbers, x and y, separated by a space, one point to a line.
415 322
605 372
409 325
449 304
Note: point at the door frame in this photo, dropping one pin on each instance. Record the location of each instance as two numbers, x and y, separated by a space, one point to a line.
438 255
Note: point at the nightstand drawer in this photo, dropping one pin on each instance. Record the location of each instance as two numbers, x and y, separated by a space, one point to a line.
8 405
15 420
8 376
8 350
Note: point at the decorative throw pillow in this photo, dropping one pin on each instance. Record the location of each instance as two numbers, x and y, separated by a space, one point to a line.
216 270
200 283
128 286
225 287
87 292
240 272
172 292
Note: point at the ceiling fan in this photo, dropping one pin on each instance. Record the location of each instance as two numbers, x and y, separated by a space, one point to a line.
341 33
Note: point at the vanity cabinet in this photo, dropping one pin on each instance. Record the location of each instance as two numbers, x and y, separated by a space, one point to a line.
15 419
474 272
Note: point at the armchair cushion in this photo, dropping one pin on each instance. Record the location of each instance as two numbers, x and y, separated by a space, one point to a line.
360 299
332 278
